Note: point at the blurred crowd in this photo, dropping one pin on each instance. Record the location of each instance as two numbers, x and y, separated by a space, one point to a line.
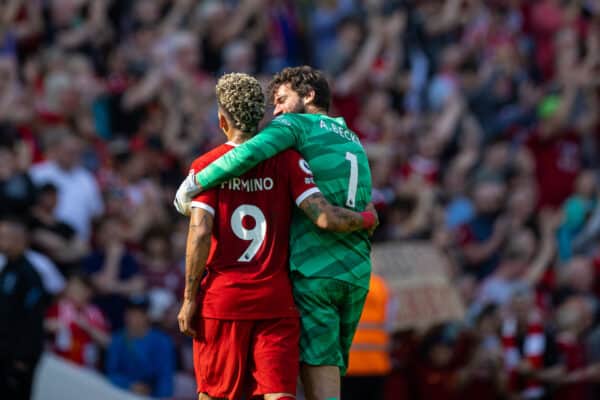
480 119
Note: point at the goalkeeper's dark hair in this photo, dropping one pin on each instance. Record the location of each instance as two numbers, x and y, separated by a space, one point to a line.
302 80
241 97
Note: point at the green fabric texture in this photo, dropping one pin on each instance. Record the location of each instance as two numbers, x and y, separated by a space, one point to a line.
329 314
341 172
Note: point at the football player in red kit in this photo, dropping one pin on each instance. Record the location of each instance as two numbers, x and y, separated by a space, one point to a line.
242 314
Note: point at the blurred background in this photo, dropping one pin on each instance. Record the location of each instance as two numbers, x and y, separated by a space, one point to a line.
480 119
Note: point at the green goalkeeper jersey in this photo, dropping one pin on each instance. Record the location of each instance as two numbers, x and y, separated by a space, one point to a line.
341 171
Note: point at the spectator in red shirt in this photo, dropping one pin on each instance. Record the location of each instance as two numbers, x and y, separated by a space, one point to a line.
574 318
556 149
79 329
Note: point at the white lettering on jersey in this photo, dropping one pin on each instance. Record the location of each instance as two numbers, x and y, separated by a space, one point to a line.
268 183
249 185
339 130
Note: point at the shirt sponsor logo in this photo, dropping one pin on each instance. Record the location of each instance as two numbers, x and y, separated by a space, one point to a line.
304 166
249 185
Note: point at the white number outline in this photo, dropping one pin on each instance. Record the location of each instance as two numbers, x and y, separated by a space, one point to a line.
353 180
256 235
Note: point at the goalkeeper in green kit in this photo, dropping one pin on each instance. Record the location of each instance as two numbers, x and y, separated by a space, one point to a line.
329 271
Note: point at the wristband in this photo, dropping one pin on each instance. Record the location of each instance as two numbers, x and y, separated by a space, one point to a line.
369 219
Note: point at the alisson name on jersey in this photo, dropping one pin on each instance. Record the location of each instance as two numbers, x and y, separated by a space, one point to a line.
340 131
249 185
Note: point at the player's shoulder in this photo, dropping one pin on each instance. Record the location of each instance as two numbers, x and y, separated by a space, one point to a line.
201 162
289 154
294 119
286 158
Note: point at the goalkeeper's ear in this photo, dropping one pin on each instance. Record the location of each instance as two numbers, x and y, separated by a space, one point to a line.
309 98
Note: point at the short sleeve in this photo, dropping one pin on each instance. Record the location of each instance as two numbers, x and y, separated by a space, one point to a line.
206 200
301 180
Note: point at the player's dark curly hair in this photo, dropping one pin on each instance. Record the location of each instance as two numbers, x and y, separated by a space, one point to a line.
241 97
302 80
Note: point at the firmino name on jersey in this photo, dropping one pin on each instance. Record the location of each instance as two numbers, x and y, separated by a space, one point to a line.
249 185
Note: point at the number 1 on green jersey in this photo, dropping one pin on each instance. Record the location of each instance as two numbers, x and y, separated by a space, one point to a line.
353 181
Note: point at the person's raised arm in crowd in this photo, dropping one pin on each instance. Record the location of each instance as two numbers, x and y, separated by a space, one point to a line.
358 71
549 222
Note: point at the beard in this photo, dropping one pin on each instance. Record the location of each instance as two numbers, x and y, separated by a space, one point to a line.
299 108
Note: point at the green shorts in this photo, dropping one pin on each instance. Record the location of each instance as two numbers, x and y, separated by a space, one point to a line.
329 313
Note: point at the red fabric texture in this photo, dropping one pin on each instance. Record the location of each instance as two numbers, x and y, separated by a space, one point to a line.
72 341
242 281
558 162
232 358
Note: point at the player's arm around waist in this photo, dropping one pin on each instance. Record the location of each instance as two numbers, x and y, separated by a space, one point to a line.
196 254
336 219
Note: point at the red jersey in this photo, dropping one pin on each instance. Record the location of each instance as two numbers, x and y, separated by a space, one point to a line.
72 341
557 164
247 268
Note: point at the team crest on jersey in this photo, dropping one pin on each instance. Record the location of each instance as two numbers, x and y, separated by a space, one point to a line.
283 120
304 166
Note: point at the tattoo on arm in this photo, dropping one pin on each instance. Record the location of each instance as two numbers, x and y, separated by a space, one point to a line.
196 254
329 217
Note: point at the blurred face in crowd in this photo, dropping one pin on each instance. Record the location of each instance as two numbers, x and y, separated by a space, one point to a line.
286 100
47 200
575 315
455 180
13 239
496 156
109 231
78 291
567 52
187 54
146 11
135 167
157 247
489 197
451 58
522 201
521 305
440 354
136 321
64 12
6 74
377 105
586 183
429 146
350 36
467 287
580 274
518 254
68 152
7 163
489 324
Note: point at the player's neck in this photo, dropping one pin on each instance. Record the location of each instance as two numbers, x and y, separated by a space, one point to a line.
310 109
238 137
